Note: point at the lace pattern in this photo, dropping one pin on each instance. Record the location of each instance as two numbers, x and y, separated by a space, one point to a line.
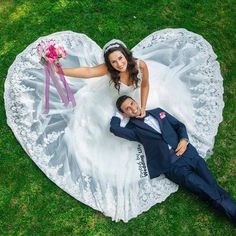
24 118
204 82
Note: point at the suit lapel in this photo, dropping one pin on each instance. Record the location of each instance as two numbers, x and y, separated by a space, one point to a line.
140 123
155 114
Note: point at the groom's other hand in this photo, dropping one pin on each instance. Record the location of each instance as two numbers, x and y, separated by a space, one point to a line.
182 146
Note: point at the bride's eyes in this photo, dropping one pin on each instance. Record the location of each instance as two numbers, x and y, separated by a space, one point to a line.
119 59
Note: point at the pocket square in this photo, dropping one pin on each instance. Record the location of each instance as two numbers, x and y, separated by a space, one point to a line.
162 115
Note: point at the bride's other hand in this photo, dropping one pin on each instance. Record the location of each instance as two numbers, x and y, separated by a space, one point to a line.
142 114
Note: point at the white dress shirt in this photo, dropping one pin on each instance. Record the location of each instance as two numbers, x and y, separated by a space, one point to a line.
152 122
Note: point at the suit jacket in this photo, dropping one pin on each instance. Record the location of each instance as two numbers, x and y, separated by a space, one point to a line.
155 144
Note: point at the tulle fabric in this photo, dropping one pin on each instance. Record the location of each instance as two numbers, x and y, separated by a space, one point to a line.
73 146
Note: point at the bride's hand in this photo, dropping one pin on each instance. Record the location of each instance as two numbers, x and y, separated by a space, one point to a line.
142 114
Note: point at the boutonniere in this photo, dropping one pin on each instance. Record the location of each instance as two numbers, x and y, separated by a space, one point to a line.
162 115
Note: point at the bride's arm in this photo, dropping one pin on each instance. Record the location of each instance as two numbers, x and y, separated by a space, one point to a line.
86 72
144 87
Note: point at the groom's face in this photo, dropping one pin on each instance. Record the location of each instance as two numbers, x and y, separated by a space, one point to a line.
130 108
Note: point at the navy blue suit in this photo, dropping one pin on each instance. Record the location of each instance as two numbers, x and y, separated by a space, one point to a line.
189 170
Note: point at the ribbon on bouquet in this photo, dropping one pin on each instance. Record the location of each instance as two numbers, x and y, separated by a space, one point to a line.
66 96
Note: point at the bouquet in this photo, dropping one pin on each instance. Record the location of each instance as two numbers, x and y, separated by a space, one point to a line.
50 53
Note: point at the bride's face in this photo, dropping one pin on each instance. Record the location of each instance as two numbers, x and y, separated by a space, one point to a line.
130 108
118 61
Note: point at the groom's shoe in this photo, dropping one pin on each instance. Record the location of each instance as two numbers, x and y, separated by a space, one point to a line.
228 206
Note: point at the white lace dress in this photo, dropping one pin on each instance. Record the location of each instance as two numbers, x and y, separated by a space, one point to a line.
73 146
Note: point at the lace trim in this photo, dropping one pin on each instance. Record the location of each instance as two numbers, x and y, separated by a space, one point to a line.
21 115
207 95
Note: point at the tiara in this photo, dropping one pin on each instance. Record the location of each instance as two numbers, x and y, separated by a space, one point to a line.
114 43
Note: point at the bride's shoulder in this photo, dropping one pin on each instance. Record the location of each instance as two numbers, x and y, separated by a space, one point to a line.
141 65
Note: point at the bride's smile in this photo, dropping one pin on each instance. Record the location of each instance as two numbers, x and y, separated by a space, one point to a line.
118 61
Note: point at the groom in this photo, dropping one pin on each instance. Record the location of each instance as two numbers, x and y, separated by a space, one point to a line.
169 152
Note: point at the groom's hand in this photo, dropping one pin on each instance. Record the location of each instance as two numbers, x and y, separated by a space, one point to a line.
182 146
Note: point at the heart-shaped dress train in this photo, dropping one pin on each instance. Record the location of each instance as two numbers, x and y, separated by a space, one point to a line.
73 145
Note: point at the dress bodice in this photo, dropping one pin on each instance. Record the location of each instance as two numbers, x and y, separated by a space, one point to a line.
132 90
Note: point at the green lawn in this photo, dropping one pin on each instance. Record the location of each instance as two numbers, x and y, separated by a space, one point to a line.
30 204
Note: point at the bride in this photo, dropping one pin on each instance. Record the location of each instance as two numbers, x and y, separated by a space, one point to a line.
123 70
173 68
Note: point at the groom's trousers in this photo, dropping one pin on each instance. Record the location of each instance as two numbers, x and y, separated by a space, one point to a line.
193 174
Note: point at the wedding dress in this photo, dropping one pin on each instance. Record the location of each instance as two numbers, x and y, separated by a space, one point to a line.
73 145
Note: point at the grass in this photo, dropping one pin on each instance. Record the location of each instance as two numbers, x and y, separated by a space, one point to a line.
30 204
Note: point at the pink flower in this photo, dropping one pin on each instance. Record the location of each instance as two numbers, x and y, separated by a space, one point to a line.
162 115
61 51
50 52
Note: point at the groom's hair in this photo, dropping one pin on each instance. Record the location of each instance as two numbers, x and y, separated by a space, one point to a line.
120 101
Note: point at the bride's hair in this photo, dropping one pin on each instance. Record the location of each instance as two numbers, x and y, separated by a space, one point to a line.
115 74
